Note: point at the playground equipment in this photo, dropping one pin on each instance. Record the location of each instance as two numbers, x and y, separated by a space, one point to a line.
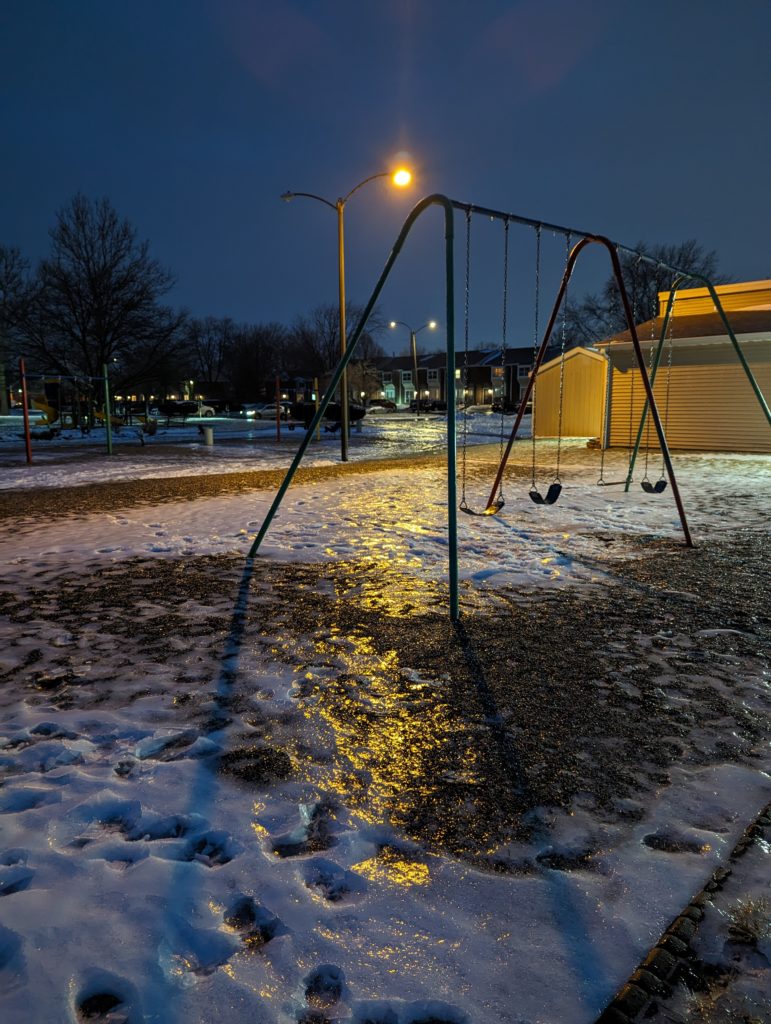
586 238
81 412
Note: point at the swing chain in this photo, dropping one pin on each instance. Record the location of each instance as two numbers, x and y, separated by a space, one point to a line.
568 239
535 344
669 378
503 345
464 375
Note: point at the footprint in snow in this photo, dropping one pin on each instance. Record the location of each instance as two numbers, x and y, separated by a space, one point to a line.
152 827
175 746
313 835
14 800
212 849
106 998
15 876
333 882
255 923
325 990
186 954
102 816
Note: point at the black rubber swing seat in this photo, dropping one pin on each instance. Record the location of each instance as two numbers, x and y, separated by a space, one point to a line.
493 509
656 488
549 498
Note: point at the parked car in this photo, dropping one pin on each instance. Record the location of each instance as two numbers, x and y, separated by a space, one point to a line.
184 408
428 405
305 411
266 410
382 404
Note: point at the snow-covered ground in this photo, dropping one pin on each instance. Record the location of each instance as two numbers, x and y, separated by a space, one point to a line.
132 872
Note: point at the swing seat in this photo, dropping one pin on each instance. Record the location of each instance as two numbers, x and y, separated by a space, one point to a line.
610 483
491 510
656 488
552 494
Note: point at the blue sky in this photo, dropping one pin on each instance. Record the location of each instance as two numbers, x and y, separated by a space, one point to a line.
636 120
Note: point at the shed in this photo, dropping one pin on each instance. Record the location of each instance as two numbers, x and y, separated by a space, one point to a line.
583 395
703 394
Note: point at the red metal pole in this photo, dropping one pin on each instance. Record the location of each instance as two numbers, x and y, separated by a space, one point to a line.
25 411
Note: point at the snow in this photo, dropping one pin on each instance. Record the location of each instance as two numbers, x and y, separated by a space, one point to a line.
123 856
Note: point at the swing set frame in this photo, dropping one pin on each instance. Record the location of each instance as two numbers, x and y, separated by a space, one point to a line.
449 206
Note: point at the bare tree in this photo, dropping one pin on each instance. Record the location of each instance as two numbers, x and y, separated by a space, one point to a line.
209 342
315 338
601 316
14 302
255 354
97 299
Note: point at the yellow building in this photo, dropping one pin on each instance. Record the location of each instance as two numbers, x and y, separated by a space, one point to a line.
703 394
583 395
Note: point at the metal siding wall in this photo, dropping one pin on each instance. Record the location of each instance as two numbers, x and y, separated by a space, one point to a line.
711 404
698 300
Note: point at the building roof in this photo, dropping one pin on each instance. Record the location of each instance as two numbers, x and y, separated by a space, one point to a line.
700 325
476 357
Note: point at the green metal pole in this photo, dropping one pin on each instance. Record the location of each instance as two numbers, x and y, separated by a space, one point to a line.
25 412
452 443
344 414
336 376
107 409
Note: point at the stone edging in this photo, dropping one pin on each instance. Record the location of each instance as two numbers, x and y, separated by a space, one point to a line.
663 966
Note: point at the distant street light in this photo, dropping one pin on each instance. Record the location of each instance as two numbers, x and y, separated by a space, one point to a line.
431 325
401 178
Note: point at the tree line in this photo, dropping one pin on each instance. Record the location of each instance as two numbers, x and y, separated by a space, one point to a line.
98 299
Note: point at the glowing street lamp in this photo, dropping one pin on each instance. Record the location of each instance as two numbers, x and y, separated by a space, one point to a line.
401 178
431 325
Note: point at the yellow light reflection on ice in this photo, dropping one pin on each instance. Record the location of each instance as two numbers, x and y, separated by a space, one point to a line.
406 874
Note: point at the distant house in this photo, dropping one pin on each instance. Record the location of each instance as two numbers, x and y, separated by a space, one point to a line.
481 377
704 397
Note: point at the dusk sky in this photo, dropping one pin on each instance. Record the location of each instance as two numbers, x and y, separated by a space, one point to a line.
639 120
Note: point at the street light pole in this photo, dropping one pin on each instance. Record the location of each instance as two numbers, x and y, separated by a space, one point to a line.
401 178
414 347
431 324
344 417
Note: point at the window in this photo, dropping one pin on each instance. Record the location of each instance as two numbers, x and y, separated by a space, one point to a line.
406 376
523 371
385 376
433 376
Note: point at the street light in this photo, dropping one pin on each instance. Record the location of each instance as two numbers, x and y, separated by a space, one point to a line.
401 177
431 325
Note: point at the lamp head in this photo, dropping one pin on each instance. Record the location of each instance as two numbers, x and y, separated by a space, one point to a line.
287 196
402 177
392 323
432 325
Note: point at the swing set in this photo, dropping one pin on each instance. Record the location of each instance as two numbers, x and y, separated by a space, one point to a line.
53 414
495 502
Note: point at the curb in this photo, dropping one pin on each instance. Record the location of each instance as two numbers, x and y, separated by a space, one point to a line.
661 969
